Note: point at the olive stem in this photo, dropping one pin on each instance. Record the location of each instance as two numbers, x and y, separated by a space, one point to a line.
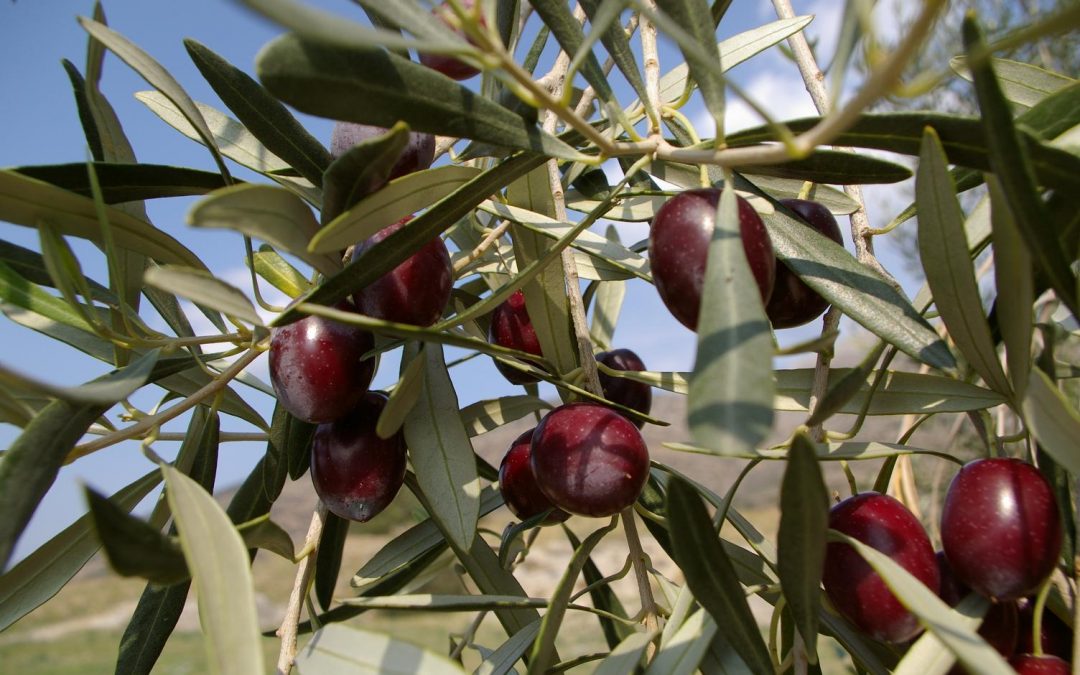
641 573
290 623
144 425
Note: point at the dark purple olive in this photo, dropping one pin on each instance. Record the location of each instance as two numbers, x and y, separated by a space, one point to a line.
1000 528
518 484
448 65
793 303
589 459
355 472
679 247
634 395
414 292
418 154
316 367
511 327
854 588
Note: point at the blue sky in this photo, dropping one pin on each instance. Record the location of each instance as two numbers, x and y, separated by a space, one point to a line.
39 125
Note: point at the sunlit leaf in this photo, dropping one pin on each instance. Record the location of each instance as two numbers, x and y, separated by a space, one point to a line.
220 570
1022 83
441 452
341 649
730 395
948 266
268 213
1015 285
1053 420
205 289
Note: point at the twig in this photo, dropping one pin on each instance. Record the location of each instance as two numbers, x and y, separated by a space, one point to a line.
490 238
650 57
144 425
641 569
289 625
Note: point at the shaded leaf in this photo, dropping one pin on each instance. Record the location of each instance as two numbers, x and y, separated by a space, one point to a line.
690 16
853 287
488 415
126 182
262 114
26 201
205 289
616 42
502 660
682 653
264 212
962 137
626 657
1053 420
328 561
557 17
1021 83
389 253
40 575
1016 165
133 546
941 620
948 266
157 76
105 390
32 462
710 575
361 170
804 521
441 452
404 396
339 82
269 536
542 655
1015 285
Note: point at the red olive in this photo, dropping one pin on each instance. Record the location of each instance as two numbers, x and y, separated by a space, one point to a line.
793 303
518 484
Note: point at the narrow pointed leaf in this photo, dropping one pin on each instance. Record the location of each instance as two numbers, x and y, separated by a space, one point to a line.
233 139
804 521
204 289
545 295
1054 421
856 289
133 546
1015 165
339 83
693 17
127 182
441 452
340 649
682 654
102 391
263 115
156 75
627 656
502 660
406 393
26 201
402 197
710 574
32 462
1015 285
1021 83
279 273
602 596
268 213
490 414
734 51
543 652
730 396
40 575
616 42
560 21
928 656
390 252
218 562
328 561
948 265
963 139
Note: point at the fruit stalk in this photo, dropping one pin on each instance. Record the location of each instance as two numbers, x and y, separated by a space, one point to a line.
289 624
